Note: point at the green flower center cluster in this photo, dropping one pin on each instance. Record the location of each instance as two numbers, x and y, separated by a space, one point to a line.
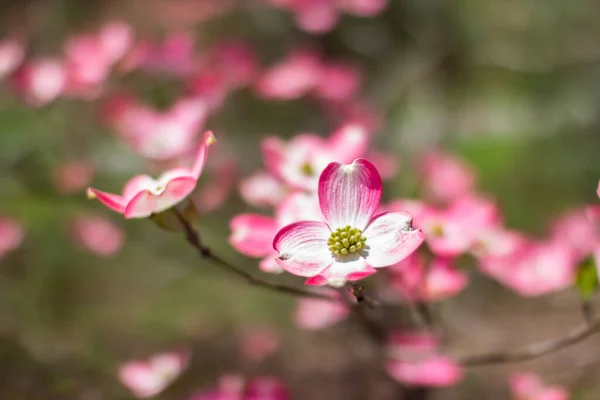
346 240
307 170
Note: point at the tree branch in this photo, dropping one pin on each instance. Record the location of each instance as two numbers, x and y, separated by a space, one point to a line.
534 350
194 239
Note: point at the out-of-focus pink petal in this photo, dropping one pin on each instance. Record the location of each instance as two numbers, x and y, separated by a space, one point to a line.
253 234
339 82
98 235
534 269
413 360
445 177
292 78
11 56
116 37
40 81
72 176
313 314
146 202
349 142
298 206
265 388
351 267
575 230
434 372
529 386
317 16
149 377
262 189
11 235
442 280
257 343
349 194
390 239
112 201
302 248
299 162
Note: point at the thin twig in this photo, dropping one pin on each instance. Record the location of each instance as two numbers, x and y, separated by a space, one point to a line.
194 239
587 310
534 350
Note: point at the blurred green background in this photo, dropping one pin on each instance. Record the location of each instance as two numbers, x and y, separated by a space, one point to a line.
511 86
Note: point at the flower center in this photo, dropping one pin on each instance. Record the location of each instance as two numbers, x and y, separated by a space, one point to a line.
307 169
437 230
346 240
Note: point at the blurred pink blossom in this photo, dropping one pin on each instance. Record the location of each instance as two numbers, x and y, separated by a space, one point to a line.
576 230
257 343
300 161
98 235
72 176
413 360
262 189
453 230
154 134
143 196
11 56
331 252
147 378
40 81
528 386
534 268
314 314
413 280
175 55
338 82
11 235
297 75
445 177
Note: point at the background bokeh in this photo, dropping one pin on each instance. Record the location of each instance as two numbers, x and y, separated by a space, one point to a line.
513 87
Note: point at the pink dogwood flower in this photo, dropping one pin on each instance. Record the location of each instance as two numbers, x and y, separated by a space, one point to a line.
534 268
352 242
98 235
11 235
576 230
292 78
262 189
147 378
415 281
154 134
528 386
454 230
414 360
40 81
314 314
299 162
445 177
252 234
143 196
11 56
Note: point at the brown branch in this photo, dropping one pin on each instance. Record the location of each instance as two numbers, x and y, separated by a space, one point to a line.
193 239
534 350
